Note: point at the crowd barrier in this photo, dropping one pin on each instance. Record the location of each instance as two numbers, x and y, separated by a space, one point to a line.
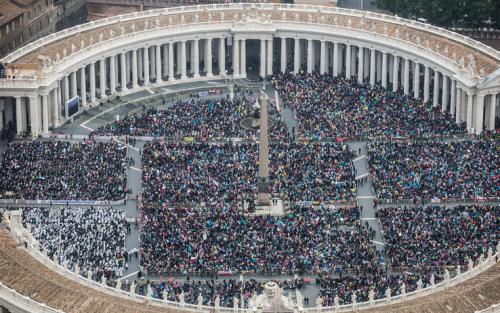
437 201
61 202
423 138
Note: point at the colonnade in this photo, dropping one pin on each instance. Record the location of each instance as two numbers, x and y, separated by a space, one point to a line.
194 59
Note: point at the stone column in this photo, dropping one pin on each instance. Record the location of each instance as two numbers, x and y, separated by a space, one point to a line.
372 67
435 96
453 97
492 112
222 55
74 92
35 128
66 89
152 62
183 60
59 102
145 61
270 56
165 60
171 75
283 54
140 64
123 78
54 111
208 58
348 61
416 81
378 56
470 97
310 65
45 114
444 100
83 87
458 107
390 63
353 60
336 69
479 114
395 74
196 58
463 111
92 82
426 83
102 78
361 60
158 64
243 58
19 116
112 72
135 82
296 56
323 59
237 59
384 69
406 80
262 58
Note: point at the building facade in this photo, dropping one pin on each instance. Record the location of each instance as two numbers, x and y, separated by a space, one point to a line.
90 63
23 21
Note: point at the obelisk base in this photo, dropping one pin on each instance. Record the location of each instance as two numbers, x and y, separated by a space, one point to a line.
263 194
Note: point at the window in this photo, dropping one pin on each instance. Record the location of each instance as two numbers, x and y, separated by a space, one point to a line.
13 25
7 28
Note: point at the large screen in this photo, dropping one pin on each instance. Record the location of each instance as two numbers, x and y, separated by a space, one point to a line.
73 105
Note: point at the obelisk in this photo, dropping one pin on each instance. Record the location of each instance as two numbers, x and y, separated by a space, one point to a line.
264 193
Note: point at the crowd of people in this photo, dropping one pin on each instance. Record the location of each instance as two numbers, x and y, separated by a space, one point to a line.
436 236
197 173
328 107
59 170
222 239
204 118
344 287
91 237
321 172
434 170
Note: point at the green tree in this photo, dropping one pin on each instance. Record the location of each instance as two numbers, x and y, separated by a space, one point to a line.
496 14
447 13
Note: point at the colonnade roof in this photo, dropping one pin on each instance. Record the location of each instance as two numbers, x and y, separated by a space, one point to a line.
474 59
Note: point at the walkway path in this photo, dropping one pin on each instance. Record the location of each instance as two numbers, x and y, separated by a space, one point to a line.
364 194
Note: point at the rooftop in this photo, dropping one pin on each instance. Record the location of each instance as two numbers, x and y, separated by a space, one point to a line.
9 11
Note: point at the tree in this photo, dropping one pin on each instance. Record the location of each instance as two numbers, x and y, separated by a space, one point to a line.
447 13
